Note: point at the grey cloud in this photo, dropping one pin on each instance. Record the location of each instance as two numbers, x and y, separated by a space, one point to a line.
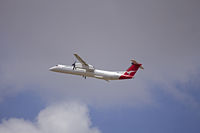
163 35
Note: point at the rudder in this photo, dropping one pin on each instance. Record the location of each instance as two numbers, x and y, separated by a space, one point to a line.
133 68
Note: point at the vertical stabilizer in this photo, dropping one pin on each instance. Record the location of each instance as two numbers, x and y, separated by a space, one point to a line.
130 72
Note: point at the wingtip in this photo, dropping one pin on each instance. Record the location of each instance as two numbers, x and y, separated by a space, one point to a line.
75 54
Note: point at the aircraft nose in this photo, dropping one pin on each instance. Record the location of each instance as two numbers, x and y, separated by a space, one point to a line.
52 68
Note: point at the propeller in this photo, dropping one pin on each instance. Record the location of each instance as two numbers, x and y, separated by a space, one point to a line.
74 65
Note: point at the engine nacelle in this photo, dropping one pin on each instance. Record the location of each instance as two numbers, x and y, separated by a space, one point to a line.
89 67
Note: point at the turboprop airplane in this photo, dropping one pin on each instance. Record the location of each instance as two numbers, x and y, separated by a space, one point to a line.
87 70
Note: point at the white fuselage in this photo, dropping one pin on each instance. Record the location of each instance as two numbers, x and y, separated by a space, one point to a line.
100 74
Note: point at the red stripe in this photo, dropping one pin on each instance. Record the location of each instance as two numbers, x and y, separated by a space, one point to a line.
130 72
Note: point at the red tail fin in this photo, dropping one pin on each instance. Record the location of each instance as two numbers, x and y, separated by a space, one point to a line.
130 72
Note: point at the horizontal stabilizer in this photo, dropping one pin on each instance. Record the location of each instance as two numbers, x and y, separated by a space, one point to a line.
135 62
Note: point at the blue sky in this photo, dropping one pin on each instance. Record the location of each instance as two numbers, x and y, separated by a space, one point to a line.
169 116
36 35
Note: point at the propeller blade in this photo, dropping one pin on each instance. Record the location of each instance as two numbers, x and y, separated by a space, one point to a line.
74 65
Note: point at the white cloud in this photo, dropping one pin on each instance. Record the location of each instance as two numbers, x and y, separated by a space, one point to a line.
59 118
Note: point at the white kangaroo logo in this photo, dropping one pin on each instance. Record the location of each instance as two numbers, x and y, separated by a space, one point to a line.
129 72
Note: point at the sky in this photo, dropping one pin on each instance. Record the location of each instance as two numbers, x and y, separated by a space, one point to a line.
163 35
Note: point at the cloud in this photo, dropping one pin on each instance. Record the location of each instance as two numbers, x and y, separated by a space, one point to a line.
159 35
61 118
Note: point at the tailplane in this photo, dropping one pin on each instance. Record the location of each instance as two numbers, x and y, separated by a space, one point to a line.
130 72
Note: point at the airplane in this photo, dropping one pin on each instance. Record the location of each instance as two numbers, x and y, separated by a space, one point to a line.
87 70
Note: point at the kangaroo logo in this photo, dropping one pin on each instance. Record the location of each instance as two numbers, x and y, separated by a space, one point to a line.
129 72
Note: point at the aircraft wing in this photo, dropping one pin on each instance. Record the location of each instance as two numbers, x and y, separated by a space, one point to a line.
81 60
